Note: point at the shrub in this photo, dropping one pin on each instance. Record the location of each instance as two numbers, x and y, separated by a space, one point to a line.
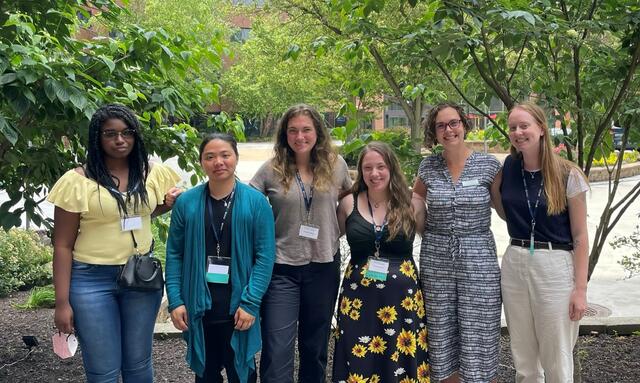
629 156
160 231
40 297
400 141
24 261
475 135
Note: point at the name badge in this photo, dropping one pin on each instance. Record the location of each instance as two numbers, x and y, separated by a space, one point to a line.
377 269
131 223
218 269
309 231
473 182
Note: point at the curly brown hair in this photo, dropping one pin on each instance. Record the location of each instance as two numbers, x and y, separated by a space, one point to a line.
323 154
429 124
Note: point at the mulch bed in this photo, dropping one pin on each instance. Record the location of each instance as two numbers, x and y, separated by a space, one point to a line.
604 358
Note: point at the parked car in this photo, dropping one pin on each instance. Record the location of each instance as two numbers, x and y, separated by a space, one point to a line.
617 133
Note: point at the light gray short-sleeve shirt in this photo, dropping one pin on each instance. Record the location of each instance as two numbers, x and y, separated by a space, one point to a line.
289 212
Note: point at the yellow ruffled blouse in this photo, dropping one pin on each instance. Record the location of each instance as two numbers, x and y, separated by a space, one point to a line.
101 240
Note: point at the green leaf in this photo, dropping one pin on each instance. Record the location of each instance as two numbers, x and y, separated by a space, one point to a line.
353 146
167 50
149 35
7 78
8 131
109 63
77 98
62 92
49 89
29 95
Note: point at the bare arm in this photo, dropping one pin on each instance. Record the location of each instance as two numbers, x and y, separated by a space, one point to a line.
577 207
344 207
65 232
418 203
169 199
496 197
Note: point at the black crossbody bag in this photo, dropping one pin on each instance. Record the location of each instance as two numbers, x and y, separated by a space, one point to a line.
142 272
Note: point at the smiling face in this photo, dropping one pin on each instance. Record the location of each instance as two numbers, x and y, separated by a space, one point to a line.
449 128
525 132
375 171
301 134
117 139
219 160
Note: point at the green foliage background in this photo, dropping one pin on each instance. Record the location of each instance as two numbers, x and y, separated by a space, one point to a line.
24 261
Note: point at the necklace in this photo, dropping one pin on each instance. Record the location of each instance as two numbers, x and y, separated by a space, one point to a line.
376 204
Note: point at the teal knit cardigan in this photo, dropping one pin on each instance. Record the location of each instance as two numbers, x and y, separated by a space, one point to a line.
252 256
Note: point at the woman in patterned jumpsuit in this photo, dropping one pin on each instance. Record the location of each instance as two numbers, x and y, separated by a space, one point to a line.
458 264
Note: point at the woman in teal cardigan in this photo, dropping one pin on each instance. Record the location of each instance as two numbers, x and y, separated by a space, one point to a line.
220 255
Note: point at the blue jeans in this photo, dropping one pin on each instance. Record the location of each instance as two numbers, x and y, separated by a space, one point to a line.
114 326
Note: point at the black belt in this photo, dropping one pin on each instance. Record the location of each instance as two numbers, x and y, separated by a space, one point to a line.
542 245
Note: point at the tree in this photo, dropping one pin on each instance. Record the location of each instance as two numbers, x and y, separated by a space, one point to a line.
368 35
578 58
272 70
51 82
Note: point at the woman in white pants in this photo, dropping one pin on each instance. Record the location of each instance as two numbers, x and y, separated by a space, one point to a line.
544 270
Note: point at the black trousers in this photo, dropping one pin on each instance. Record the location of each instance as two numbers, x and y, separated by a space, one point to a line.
300 301
219 354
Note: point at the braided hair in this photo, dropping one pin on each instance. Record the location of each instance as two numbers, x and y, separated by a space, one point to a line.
137 160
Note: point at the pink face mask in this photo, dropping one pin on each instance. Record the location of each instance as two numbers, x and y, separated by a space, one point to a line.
64 345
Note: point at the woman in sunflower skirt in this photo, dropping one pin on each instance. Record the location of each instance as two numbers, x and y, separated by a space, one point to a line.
381 334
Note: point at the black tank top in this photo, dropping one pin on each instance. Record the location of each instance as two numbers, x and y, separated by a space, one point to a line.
361 239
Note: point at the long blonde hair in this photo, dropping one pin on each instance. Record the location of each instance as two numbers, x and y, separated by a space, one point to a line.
555 169
323 154
399 216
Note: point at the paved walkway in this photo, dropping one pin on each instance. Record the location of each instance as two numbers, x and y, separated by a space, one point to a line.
607 286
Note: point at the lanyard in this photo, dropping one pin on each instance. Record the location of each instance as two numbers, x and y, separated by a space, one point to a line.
227 204
308 199
532 212
377 229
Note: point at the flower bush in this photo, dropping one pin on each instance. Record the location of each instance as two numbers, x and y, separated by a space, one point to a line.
24 261
629 156
475 135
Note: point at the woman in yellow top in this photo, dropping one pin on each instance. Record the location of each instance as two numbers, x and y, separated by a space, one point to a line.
97 209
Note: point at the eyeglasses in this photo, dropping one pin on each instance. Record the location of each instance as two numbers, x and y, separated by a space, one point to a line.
453 124
112 134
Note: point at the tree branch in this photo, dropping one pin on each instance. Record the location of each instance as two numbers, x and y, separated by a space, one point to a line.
388 76
579 114
613 106
466 99
504 96
485 44
515 67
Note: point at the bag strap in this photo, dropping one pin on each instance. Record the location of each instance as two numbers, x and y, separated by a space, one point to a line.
135 243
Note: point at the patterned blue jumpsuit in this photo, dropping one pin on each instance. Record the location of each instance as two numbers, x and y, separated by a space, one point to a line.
459 269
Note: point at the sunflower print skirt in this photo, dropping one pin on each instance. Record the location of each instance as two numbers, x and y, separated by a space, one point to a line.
381 334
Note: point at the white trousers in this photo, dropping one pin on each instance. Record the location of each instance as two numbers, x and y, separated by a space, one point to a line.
536 291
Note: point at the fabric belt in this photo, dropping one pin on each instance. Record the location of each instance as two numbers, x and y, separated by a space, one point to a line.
542 245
